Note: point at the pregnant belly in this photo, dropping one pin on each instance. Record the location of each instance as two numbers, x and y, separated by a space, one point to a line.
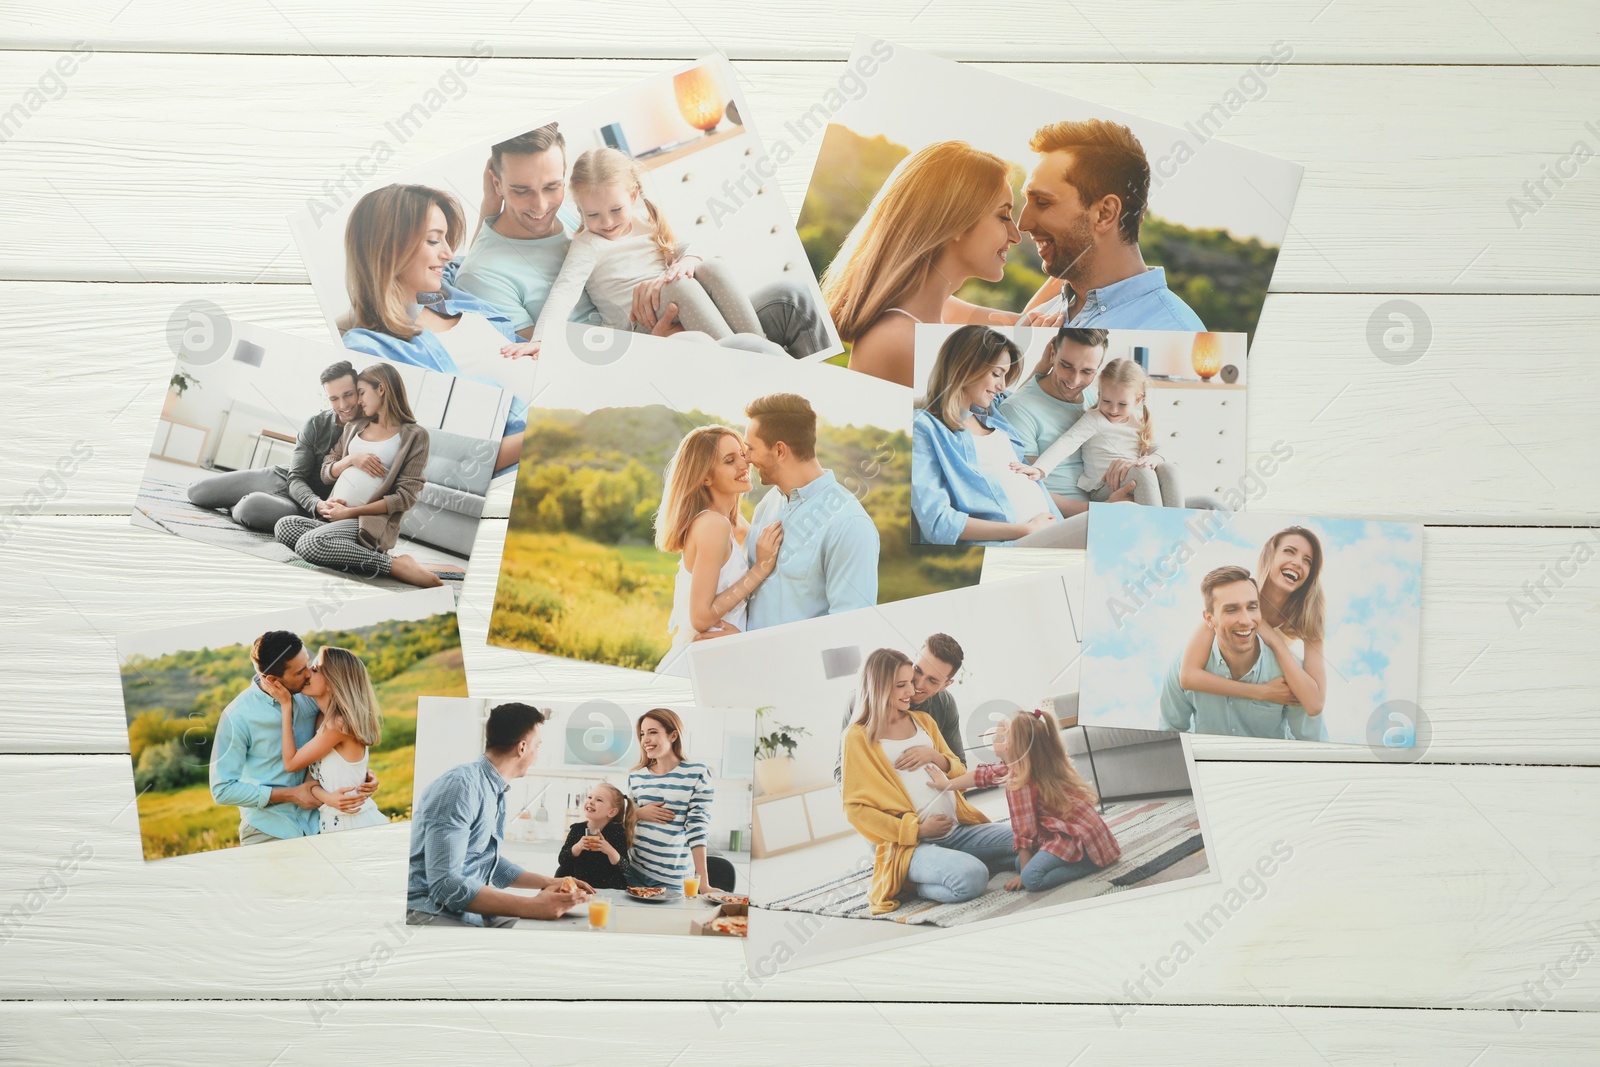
355 487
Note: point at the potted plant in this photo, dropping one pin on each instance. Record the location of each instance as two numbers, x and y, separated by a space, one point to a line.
181 380
775 751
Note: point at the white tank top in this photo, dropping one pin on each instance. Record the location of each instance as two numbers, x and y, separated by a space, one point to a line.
732 571
924 797
355 486
995 456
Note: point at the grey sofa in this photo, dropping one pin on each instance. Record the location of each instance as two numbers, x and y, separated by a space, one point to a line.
457 477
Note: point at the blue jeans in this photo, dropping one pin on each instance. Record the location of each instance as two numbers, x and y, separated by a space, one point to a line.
956 867
1046 871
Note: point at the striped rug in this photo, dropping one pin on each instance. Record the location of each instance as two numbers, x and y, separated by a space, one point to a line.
1160 842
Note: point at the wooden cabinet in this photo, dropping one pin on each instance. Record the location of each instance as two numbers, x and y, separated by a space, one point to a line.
1200 426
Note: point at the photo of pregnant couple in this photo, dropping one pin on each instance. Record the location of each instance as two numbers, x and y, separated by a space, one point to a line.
639 847
1250 625
287 454
1006 458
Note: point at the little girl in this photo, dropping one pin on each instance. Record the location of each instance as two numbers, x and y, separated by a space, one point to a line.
1058 833
348 725
616 250
596 850
1112 431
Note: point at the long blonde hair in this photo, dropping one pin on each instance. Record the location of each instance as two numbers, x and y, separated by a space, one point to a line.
1303 610
671 723
1127 372
684 494
628 812
384 230
935 195
396 408
352 702
877 686
965 356
600 168
1041 760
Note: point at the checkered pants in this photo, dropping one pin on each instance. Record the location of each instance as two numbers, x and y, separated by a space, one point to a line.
331 544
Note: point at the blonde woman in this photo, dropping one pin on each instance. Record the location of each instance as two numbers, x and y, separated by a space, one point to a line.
1118 442
1289 584
376 473
965 485
943 217
929 842
398 243
348 724
699 519
618 250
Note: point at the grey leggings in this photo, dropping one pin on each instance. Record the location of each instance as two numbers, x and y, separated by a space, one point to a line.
712 302
1153 488
256 499
331 544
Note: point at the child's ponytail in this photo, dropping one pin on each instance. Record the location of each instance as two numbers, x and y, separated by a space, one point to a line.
665 243
601 167
630 819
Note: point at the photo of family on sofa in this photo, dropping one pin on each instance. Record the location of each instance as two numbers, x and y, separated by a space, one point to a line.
963 789
378 471
270 728
960 163
712 508
1252 625
597 219
1006 458
650 841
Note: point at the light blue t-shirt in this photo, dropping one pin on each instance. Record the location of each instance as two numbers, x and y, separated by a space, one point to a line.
829 559
1039 419
1208 713
515 275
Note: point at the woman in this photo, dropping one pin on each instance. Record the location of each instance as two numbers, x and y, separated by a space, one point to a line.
943 217
1289 582
964 489
699 518
396 245
376 473
348 724
673 806
929 842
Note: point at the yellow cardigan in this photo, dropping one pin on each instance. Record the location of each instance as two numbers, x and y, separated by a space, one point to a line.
877 805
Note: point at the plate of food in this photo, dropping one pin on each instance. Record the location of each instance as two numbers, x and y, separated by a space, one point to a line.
652 894
718 897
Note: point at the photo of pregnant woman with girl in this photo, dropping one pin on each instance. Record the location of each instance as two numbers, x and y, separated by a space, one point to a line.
1003 457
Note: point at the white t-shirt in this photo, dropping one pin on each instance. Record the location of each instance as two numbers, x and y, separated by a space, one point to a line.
928 800
355 486
995 456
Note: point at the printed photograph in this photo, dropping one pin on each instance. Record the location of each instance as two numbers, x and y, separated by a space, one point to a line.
922 769
645 210
589 816
947 194
1253 625
1016 431
670 494
296 451
278 726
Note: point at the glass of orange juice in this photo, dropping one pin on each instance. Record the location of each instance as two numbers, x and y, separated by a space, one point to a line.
691 887
599 913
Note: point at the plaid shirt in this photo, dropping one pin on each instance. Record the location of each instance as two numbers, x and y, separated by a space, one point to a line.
1069 836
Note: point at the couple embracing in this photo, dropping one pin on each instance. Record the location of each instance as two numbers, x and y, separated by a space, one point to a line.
809 549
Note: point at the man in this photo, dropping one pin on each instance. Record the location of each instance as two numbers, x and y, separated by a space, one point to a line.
1085 202
1233 611
526 232
936 665
458 877
259 498
828 562
247 753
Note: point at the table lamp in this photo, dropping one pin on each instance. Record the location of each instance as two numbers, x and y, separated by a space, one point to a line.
699 98
1207 355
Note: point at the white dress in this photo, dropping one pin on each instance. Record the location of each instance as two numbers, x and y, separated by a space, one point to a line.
355 486
333 772
679 624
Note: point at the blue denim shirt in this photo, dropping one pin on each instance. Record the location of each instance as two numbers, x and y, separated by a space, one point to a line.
426 350
456 831
829 559
247 761
1142 302
1209 713
947 486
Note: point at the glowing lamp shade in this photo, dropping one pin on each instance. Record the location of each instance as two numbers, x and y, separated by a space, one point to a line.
1207 355
699 98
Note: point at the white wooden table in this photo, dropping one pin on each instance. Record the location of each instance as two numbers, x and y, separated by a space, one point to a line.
161 171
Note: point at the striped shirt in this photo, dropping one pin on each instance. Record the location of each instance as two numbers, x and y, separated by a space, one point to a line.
660 853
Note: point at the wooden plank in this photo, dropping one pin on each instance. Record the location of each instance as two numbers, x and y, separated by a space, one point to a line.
1395 886
760 1034
1402 191
1491 691
1541 31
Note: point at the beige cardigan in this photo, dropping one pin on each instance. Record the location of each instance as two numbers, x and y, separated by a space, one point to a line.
402 481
